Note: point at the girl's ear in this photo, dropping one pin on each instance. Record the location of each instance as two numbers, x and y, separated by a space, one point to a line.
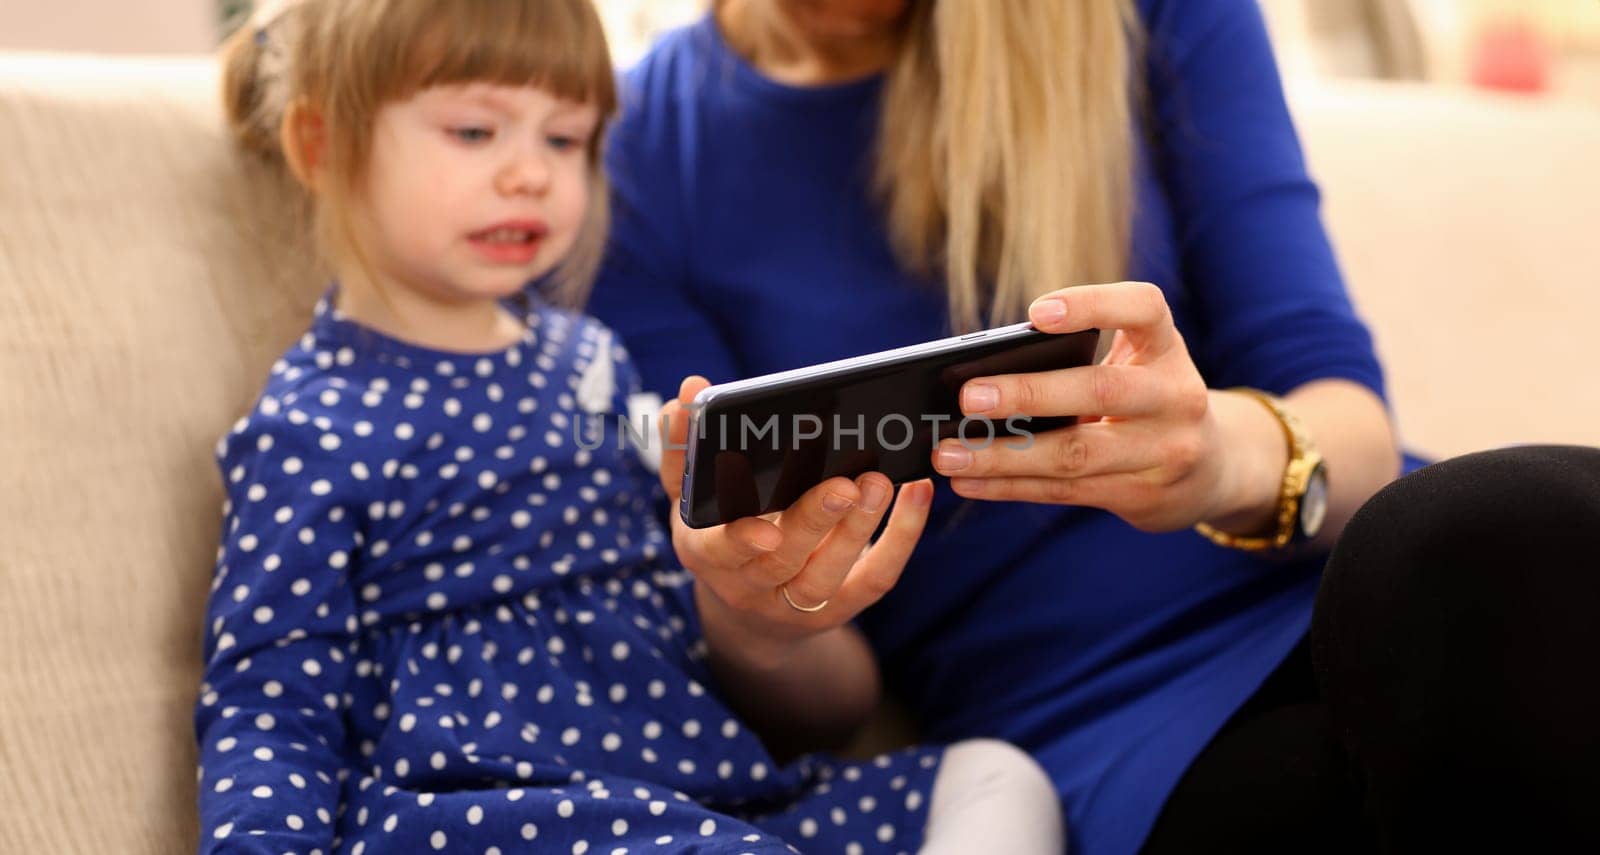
303 137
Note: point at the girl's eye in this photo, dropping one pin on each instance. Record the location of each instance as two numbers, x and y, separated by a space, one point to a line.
472 134
564 143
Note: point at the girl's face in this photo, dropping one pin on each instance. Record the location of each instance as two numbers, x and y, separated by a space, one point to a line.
474 189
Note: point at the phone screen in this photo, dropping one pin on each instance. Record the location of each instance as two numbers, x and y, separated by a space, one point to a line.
757 450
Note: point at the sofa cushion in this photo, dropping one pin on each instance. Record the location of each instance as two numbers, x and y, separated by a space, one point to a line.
148 277
1466 223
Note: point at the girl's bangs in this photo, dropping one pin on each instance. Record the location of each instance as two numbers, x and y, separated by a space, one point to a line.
556 46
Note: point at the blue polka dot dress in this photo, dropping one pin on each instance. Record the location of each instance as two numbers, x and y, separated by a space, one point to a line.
444 618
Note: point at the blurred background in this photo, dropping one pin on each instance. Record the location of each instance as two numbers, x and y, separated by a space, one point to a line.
1533 46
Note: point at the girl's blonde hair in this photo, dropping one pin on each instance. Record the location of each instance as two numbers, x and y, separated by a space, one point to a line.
1006 148
348 58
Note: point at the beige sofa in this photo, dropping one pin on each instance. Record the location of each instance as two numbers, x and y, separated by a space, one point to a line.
148 276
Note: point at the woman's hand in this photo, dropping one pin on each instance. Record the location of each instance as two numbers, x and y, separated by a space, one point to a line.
1151 439
817 550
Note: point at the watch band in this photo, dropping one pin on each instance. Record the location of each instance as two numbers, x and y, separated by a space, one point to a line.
1303 459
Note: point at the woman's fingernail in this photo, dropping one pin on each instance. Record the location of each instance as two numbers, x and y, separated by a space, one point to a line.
923 494
978 398
1048 311
952 458
834 503
872 496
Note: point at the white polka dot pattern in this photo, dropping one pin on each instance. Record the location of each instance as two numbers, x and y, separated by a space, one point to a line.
445 618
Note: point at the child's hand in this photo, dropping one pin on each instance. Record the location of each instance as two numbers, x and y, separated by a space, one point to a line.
760 579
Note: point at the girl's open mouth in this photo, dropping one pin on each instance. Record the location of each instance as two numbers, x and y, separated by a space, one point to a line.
509 243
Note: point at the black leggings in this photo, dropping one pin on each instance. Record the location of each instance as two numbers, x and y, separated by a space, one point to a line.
1454 705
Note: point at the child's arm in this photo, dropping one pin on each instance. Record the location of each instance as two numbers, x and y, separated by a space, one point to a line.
799 677
278 633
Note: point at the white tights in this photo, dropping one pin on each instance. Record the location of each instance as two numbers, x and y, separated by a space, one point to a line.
990 796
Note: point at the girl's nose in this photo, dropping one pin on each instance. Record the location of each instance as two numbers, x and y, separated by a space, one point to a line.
527 172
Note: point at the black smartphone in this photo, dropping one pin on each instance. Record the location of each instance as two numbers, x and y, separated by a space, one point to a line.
757 445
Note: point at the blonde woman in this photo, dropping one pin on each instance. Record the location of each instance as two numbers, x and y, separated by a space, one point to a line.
800 180
803 180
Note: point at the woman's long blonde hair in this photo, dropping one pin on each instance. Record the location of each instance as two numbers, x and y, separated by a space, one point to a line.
1006 148
348 58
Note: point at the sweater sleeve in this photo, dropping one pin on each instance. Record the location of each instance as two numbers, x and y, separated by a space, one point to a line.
278 632
1269 297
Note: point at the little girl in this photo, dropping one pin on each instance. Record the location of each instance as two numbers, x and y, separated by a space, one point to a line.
439 621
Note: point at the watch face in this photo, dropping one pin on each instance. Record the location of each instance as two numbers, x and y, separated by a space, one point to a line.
1314 505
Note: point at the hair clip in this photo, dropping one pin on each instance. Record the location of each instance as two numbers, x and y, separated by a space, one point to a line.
266 14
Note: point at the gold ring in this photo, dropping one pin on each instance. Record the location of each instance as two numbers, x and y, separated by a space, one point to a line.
784 589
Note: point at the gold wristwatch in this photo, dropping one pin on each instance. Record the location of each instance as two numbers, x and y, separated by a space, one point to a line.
1303 497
